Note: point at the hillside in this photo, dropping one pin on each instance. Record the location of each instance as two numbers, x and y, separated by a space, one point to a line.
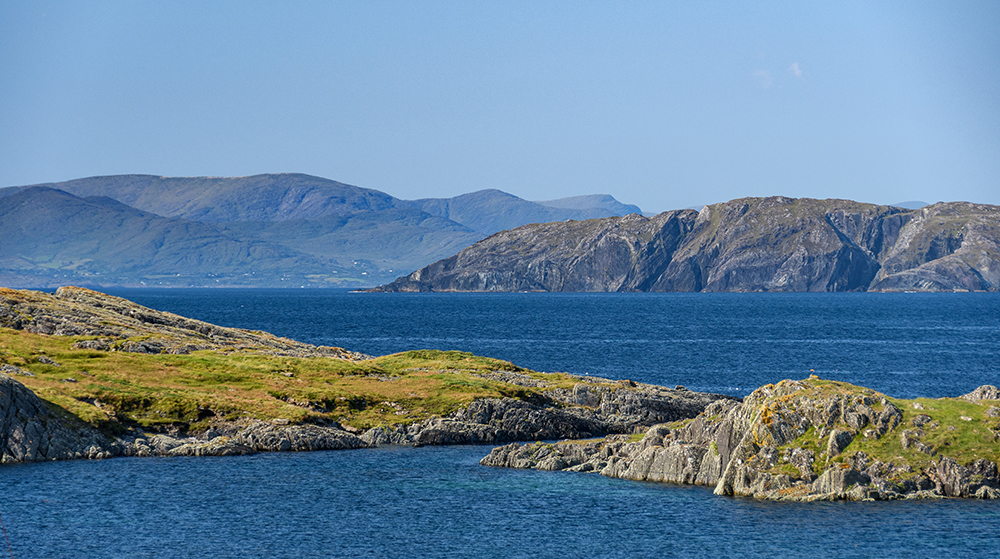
749 244
263 230
52 237
273 197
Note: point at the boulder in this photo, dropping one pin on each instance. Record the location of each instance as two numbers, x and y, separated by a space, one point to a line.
837 480
985 392
838 441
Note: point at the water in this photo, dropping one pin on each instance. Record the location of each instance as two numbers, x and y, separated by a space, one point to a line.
905 345
438 502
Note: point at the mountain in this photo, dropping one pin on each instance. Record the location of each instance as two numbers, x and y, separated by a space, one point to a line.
50 235
491 211
595 203
266 230
749 244
273 197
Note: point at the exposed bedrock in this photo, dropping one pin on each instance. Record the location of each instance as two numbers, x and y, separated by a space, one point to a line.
793 441
31 432
584 411
749 244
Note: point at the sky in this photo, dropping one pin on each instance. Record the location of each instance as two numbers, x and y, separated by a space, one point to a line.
662 104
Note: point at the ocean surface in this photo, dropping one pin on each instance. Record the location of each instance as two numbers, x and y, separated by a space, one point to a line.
438 502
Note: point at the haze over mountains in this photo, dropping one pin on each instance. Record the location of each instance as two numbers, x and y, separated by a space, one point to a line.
263 230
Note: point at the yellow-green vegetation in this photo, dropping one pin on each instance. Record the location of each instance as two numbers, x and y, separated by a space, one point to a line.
954 427
110 389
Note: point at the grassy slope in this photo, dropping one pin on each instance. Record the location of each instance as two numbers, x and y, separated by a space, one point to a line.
116 388
947 434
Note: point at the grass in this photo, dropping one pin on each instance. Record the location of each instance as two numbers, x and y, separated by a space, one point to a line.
964 440
115 389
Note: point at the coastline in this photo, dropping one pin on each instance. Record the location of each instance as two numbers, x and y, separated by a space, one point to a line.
770 446
808 440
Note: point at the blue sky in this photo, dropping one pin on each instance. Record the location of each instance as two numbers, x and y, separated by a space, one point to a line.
661 104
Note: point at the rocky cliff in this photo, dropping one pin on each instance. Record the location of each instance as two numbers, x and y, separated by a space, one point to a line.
803 440
750 244
30 432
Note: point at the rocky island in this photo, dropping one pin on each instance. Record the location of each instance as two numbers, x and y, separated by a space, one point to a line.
803 440
87 375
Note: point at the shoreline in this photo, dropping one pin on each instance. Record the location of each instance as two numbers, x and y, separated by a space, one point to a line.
119 379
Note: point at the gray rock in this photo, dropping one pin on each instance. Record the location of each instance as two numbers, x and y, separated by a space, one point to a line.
12 370
586 411
29 432
838 480
985 392
736 447
803 461
838 441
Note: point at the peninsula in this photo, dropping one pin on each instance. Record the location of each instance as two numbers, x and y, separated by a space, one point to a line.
88 375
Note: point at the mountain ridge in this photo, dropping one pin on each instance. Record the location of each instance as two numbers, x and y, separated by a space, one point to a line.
328 233
748 244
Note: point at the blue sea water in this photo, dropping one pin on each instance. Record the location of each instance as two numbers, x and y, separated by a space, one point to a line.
438 502
905 345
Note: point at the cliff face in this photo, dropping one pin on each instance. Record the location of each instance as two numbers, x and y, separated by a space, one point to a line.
750 244
804 440
30 432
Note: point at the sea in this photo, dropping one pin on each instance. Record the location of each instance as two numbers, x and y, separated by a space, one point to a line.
439 502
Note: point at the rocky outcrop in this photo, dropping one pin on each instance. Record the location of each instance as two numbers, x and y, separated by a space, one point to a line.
121 325
246 438
590 409
749 244
793 441
31 432
594 407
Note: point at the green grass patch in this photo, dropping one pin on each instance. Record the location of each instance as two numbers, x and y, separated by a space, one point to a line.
957 428
188 391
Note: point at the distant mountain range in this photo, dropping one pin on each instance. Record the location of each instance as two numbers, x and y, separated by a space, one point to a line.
263 230
750 244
